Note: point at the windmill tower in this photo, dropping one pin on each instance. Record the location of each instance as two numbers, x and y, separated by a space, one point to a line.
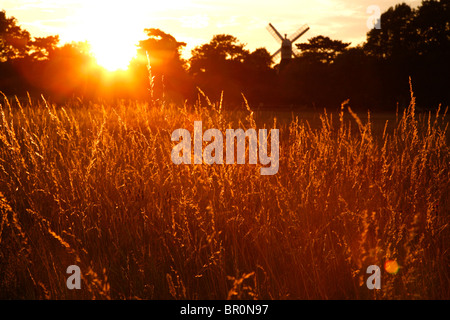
286 50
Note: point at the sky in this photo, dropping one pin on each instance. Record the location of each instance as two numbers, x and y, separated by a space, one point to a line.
117 26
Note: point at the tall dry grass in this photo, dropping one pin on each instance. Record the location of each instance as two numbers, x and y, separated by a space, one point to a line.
94 185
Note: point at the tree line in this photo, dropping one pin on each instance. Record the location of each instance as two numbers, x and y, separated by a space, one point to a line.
411 43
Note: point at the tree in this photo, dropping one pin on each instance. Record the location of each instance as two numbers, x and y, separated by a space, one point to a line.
431 64
259 77
432 25
162 47
219 53
42 47
14 42
396 35
309 79
322 49
69 70
414 43
167 67
356 77
218 65
260 59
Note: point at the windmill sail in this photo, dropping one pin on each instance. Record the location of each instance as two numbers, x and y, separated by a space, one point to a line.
276 53
298 33
274 32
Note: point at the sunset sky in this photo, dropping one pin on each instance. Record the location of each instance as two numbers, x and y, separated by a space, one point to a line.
111 25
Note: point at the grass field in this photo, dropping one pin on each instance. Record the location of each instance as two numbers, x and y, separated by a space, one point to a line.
94 185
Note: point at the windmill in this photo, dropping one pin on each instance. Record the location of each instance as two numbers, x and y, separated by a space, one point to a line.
286 50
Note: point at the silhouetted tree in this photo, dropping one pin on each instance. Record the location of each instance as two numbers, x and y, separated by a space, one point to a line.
396 35
42 47
309 79
69 71
356 77
167 67
14 41
218 66
259 77
322 49
414 43
432 24
215 55
260 59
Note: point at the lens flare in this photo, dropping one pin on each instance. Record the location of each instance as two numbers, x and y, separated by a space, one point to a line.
391 266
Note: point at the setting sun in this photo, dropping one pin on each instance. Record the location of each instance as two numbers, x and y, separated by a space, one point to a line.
112 31
111 54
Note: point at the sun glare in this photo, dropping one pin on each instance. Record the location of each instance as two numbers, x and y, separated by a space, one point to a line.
112 54
113 32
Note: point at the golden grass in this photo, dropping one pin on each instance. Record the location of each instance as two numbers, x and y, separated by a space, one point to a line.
94 185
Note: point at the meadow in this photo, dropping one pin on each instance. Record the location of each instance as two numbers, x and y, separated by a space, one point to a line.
93 185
